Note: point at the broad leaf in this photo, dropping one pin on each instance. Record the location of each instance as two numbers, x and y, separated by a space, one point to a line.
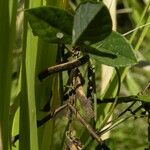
117 52
92 22
49 22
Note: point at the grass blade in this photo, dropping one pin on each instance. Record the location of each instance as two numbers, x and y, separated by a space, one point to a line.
28 126
7 36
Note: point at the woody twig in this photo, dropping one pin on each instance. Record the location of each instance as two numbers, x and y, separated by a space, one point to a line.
85 124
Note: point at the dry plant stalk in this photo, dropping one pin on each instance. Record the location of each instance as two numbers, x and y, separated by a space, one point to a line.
85 102
85 124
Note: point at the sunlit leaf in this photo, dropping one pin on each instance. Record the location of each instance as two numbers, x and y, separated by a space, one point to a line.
116 49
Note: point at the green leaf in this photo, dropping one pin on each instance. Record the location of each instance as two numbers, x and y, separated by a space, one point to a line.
7 42
144 98
117 51
47 22
92 22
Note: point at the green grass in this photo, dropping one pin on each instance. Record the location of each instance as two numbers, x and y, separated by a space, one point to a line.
22 97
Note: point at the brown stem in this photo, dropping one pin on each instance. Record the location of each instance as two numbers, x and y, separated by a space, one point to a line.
64 66
85 102
87 126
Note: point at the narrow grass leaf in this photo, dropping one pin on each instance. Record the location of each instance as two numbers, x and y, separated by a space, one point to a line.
144 98
28 125
46 56
7 36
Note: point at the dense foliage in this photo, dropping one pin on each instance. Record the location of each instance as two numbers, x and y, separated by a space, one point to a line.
50 91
